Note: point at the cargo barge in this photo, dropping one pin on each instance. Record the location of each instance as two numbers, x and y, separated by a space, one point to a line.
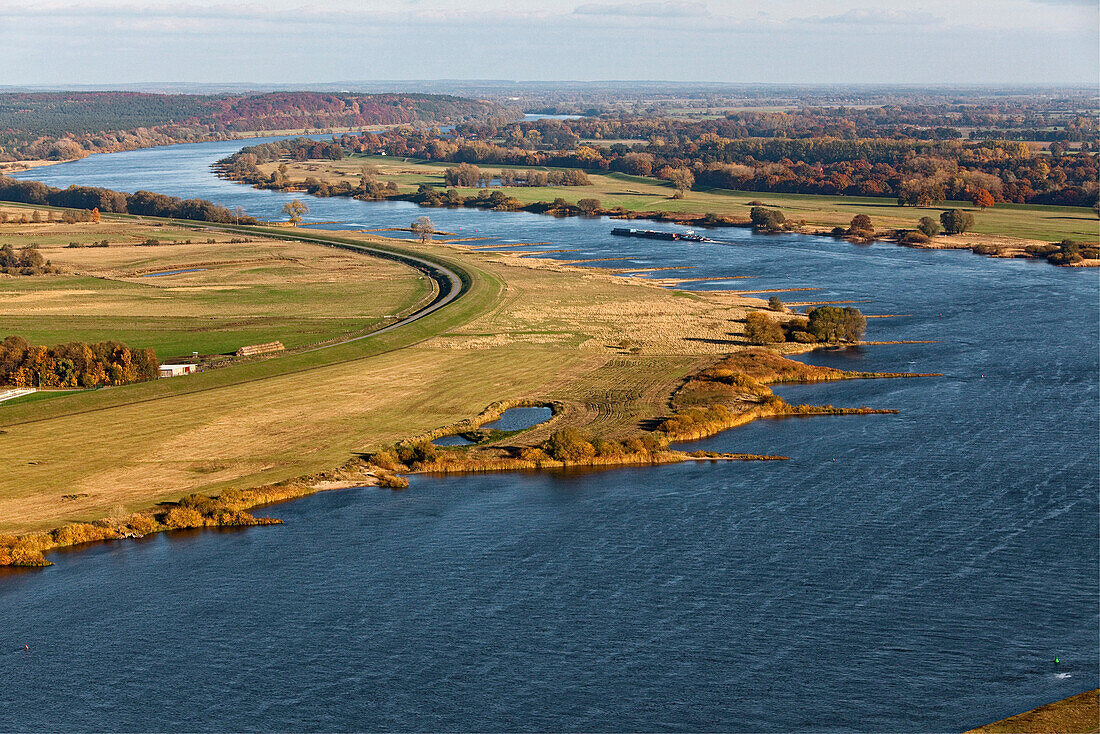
656 234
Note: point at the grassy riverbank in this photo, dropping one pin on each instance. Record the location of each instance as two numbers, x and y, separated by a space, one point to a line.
610 350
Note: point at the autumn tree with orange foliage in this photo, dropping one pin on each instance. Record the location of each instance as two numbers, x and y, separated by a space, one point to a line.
74 365
982 198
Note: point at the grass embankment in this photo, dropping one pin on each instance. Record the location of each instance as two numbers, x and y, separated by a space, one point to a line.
1073 715
609 351
1027 223
240 290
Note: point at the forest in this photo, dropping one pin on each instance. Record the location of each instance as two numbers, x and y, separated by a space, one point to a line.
76 365
68 125
717 154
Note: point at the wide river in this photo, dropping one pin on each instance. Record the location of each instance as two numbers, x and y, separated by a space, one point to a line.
909 572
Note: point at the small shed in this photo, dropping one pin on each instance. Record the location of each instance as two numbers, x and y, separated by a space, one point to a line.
175 370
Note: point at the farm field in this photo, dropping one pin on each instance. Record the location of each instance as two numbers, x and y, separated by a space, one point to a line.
197 291
638 193
526 330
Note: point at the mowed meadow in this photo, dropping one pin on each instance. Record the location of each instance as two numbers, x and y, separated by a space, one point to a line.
646 194
196 291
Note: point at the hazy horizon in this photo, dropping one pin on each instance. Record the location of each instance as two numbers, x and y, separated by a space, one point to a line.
926 43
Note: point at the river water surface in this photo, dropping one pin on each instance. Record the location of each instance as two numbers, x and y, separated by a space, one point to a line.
909 572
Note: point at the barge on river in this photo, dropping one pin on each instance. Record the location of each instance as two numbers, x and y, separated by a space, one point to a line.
656 234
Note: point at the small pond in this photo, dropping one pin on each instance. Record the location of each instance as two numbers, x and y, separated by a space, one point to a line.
516 419
451 441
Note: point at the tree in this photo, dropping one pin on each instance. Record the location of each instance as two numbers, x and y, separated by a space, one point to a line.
589 206
768 220
762 329
36 217
832 324
861 226
928 226
682 178
95 214
956 221
294 210
775 304
423 228
238 212
982 199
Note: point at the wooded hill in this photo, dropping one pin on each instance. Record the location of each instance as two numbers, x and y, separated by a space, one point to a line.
66 125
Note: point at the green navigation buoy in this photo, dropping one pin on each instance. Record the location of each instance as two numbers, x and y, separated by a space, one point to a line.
1056 660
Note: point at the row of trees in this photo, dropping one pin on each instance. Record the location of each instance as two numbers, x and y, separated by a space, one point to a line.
467 175
95 200
76 364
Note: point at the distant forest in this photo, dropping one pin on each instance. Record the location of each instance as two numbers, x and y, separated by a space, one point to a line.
907 154
68 125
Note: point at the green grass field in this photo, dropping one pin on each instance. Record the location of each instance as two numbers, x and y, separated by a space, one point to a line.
240 293
638 193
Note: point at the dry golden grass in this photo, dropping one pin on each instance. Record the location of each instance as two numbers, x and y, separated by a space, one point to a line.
536 343
1073 715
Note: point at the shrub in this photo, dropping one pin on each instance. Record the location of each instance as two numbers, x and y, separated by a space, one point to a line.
861 226
533 454
928 226
569 444
589 206
762 329
1068 252
913 238
775 304
141 524
1041 250
414 454
184 517
392 481
386 459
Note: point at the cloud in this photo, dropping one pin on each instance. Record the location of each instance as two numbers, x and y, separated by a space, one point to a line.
875 17
669 9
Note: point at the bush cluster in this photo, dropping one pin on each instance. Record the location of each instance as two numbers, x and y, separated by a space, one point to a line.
572 446
27 261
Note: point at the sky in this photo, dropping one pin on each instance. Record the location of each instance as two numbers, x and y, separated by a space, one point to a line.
930 42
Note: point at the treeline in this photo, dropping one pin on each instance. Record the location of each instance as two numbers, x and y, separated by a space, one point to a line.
913 171
96 199
467 175
1015 121
67 125
76 364
27 261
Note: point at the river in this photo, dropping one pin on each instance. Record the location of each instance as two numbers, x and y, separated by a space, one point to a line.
908 572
